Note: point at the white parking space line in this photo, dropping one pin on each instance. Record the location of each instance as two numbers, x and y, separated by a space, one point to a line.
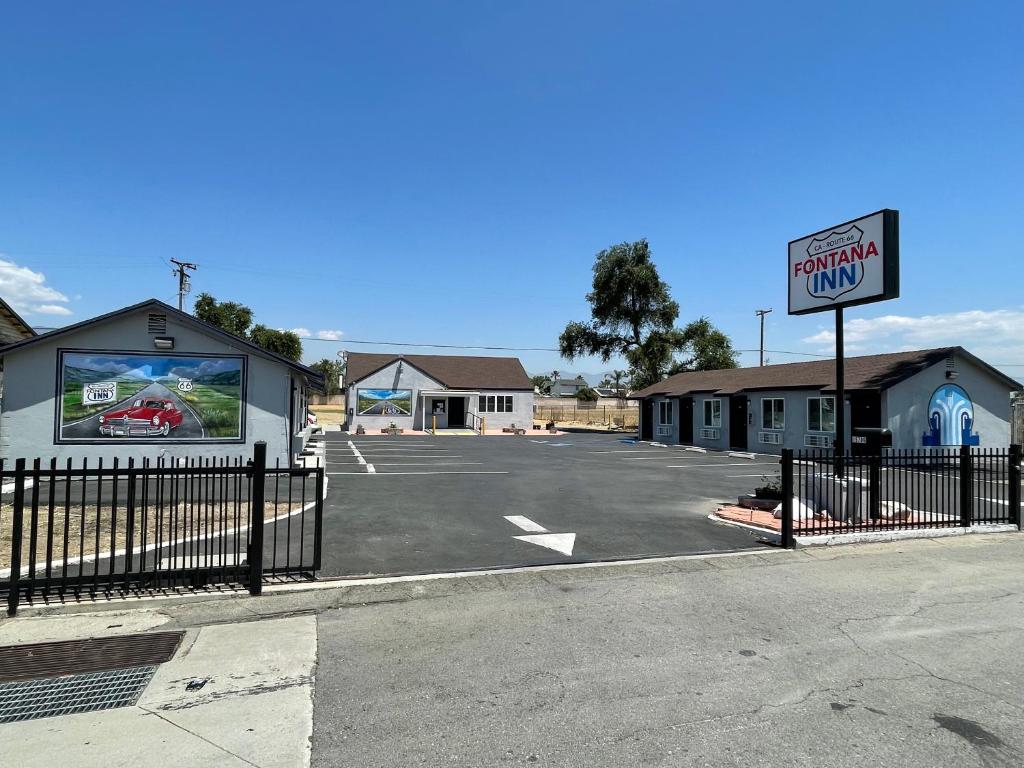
628 450
731 477
371 469
428 463
526 524
399 474
643 458
739 464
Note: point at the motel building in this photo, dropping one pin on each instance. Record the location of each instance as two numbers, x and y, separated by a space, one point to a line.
452 394
942 397
150 382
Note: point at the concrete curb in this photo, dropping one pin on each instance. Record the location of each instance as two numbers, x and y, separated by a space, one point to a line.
867 537
337 593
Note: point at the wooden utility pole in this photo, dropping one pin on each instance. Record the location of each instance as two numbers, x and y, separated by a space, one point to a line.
761 313
184 286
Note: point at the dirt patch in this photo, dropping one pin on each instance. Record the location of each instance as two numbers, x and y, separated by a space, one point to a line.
89 530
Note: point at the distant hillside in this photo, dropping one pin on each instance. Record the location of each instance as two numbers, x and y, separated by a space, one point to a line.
225 378
86 376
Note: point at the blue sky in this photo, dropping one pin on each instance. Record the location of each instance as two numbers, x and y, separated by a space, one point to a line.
445 172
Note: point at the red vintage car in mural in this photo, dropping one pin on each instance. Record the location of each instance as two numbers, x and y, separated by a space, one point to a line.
143 418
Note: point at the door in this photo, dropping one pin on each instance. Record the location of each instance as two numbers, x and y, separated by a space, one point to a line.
686 420
456 411
647 419
738 422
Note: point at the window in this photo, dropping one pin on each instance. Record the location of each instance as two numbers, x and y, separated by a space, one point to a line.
713 413
665 412
821 414
773 413
495 404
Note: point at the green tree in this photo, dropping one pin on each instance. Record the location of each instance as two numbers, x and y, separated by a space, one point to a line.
587 394
284 343
542 383
228 315
237 318
634 316
709 349
331 370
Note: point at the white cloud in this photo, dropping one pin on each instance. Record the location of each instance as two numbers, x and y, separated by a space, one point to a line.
996 336
27 292
329 335
300 331
51 309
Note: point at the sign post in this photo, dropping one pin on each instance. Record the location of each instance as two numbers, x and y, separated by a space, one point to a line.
856 262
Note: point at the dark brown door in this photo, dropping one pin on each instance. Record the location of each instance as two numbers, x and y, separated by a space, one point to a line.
686 420
738 422
456 411
647 419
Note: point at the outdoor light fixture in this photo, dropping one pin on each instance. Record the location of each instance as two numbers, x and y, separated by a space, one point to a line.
164 342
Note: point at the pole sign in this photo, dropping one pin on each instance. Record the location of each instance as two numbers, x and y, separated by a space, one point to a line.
852 263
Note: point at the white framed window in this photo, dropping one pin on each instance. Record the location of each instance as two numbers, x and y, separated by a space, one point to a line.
665 412
821 414
495 404
713 413
773 413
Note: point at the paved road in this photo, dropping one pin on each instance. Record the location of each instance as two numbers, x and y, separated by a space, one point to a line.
190 426
440 504
876 655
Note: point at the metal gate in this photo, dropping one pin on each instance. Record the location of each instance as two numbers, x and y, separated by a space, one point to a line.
81 531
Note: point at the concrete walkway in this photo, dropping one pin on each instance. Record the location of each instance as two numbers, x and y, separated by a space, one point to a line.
904 653
255 708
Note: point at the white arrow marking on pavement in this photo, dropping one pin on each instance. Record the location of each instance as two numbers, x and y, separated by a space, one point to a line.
526 524
560 542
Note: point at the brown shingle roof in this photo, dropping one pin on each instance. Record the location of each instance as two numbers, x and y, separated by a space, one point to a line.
865 372
453 371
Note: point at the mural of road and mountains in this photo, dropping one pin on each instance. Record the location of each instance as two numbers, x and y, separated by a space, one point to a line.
384 402
194 398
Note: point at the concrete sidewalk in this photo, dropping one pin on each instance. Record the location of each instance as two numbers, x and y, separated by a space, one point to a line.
904 653
255 708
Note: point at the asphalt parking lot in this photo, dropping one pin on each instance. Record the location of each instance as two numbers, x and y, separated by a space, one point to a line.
419 504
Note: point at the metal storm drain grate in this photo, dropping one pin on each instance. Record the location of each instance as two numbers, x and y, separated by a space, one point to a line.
63 678
32 699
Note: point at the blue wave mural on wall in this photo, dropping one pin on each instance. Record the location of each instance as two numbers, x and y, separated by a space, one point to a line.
950 418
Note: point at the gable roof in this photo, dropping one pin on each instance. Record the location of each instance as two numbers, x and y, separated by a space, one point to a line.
12 327
453 371
314 378
870 372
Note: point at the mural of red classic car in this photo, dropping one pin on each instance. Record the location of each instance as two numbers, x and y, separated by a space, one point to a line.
145 417
139 397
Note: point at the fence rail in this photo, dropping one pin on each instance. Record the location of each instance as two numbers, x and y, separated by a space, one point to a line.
598 414
87 530
899 490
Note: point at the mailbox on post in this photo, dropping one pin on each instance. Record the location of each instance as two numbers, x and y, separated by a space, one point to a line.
870 440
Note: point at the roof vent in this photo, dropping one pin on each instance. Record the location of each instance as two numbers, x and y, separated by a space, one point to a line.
157 324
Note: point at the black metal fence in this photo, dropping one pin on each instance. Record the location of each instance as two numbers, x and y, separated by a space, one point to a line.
72 531
899 490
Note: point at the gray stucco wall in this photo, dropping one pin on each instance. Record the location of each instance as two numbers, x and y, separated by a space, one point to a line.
722 443
672 429
905 406
796 422
410 377
30 384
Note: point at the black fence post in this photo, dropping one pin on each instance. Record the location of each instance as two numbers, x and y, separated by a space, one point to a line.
259 478
966 487
17 529
318 528
787 498
1014 477
129 523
